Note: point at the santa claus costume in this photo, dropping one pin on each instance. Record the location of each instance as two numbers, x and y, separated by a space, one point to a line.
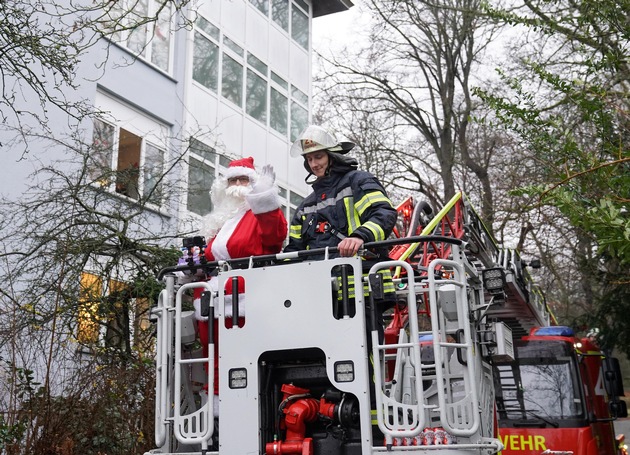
246 221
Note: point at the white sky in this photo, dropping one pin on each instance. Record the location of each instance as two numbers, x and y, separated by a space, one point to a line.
334 30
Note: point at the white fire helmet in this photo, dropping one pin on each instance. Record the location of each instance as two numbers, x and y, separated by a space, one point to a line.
315 138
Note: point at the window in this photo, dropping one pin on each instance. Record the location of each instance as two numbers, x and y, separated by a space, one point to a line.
280 13
132 164
278 111
283 13
232 80
102 147
299 112
150 40
153 173
292 202
206 62
246 80
202 170
256 102
256 105
206 54
87 319
128 165
108 313
299 27
261 5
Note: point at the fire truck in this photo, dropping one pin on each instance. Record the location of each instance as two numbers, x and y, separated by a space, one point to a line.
305 367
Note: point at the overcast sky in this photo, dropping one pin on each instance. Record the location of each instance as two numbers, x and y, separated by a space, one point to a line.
334 29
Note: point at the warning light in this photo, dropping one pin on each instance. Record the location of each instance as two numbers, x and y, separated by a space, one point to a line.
554 331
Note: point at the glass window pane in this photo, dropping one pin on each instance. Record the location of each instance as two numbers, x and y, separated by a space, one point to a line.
206 62
282 192
200 179
160 44
299 120
232 80
128 167
87 318
280 13
302 4
102 147
204 151
137 40
114 21
257 64
299 27
278 80
153 173
261 5
233 46
278 111
299 96
224 161
295 198
256 104
208 28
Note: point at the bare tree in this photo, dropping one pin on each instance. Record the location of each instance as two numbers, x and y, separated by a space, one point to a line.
78 261
410 83
43 43
77 282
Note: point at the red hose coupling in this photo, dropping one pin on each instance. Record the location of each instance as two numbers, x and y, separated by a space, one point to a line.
327 409
304 447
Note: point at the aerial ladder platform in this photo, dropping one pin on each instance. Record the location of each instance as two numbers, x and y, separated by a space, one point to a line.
308 371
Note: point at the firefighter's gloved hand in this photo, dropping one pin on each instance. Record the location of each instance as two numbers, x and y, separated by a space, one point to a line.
265 179
197 305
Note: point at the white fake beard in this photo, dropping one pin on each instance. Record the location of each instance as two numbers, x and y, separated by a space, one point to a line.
228 206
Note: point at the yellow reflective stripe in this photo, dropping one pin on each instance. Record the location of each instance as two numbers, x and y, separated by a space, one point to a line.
369 199
295 231
388 284
351 215
374 417
376 230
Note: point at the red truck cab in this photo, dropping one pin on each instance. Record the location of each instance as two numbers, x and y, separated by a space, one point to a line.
559 396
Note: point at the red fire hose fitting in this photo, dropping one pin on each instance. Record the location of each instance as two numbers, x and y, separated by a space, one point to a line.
296 415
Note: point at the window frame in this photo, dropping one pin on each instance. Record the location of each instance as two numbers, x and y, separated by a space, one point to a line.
146 52
113 172
218 163
92 327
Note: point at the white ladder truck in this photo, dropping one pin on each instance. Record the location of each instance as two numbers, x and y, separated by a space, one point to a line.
307 371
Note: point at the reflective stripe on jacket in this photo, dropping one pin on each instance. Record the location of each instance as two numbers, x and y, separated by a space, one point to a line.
354 203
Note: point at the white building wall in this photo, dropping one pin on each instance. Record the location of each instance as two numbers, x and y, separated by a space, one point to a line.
226 126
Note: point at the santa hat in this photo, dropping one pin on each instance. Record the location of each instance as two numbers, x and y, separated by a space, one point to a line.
241 167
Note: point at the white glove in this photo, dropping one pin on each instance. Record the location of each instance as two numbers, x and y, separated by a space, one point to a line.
197 305
265 180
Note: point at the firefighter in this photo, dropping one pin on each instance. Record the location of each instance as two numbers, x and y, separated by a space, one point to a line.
347 207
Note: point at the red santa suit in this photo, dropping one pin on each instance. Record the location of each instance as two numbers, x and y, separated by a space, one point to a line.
254 228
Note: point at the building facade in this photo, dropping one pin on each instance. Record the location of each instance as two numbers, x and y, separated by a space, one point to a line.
238 83
175 101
